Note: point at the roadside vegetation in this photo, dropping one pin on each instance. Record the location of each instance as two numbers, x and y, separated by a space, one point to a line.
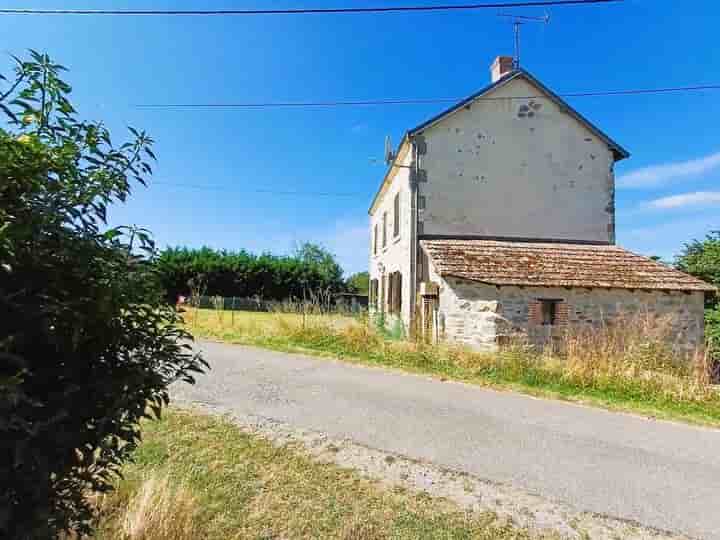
88 346
199 476
627 366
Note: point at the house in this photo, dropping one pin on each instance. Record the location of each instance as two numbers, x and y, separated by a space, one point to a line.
498 215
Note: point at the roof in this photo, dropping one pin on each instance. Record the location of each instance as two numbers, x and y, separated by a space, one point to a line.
555 264
618 151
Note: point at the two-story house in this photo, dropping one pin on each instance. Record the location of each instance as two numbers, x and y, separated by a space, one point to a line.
498 215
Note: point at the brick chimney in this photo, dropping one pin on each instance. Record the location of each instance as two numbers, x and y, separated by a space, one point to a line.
501 67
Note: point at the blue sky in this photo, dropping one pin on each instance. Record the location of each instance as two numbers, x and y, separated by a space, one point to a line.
667 191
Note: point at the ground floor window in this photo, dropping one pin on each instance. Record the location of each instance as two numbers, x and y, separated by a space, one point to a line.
548 312
374 293
395 292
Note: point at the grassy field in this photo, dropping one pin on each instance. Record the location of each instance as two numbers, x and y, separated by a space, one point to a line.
197 476
631 372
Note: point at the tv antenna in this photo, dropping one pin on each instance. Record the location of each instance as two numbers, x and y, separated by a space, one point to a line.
519 20
389 154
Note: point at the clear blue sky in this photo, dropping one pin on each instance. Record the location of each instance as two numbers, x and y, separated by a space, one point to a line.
117 62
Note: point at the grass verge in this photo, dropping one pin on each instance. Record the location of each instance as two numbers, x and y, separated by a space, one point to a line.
199 476
642 382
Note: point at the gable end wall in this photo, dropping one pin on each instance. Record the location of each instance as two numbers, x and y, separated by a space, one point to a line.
489 170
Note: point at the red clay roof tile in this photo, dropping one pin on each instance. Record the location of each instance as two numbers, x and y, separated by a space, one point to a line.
555 265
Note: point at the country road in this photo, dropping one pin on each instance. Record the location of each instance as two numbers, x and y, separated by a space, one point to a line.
660 474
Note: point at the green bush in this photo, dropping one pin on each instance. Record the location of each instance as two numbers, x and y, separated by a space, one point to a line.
87 345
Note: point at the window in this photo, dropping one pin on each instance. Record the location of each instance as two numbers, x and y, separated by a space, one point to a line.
396 216
375 239
395 293
374 292
548 312
384 231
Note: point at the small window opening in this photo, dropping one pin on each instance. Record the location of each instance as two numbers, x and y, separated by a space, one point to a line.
548 312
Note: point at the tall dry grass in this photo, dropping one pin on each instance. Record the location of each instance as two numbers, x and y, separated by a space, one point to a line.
156 509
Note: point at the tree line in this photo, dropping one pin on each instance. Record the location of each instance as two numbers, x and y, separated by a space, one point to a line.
184 271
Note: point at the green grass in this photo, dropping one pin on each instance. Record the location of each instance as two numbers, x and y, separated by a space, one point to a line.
218 482
343 338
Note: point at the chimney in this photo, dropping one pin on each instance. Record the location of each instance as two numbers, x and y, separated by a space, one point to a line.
501 67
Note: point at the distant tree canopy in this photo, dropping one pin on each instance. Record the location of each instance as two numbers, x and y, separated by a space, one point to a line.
243 274
358 283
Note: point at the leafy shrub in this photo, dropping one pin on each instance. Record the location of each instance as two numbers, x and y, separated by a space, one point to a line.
87 343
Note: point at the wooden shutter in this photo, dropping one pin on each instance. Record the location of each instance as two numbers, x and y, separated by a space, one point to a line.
396 216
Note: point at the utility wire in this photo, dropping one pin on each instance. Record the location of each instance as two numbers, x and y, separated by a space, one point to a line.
215 187
355 103
303 11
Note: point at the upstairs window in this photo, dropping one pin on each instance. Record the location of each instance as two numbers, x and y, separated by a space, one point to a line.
396 216
384 229
375 239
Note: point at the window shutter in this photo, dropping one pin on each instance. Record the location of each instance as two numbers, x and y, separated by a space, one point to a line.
562 313
534 312
396 216
398 288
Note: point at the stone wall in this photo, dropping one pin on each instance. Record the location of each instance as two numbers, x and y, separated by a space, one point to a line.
475 314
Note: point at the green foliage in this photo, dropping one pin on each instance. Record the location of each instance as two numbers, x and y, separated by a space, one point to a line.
702 258
358 283
322 261
240 273
87 343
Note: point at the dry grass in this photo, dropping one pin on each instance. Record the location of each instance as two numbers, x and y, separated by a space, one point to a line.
632 364
159 510
197 476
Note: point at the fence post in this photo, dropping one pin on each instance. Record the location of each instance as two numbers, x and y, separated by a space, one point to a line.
232 317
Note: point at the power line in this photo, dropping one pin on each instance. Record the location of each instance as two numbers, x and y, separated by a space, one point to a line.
216 187
419 101
303 11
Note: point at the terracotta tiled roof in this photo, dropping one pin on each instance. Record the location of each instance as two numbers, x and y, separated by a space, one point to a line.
554 265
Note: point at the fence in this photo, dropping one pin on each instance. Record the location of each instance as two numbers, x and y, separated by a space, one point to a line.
330 304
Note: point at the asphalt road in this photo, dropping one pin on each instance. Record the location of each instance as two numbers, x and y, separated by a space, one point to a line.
661 474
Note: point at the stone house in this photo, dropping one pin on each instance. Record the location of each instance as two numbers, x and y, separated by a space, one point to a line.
498 215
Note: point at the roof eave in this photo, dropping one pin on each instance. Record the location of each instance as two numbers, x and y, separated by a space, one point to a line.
494 283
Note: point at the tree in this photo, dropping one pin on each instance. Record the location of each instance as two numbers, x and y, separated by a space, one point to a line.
358 283
702 258
87 345
318 257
